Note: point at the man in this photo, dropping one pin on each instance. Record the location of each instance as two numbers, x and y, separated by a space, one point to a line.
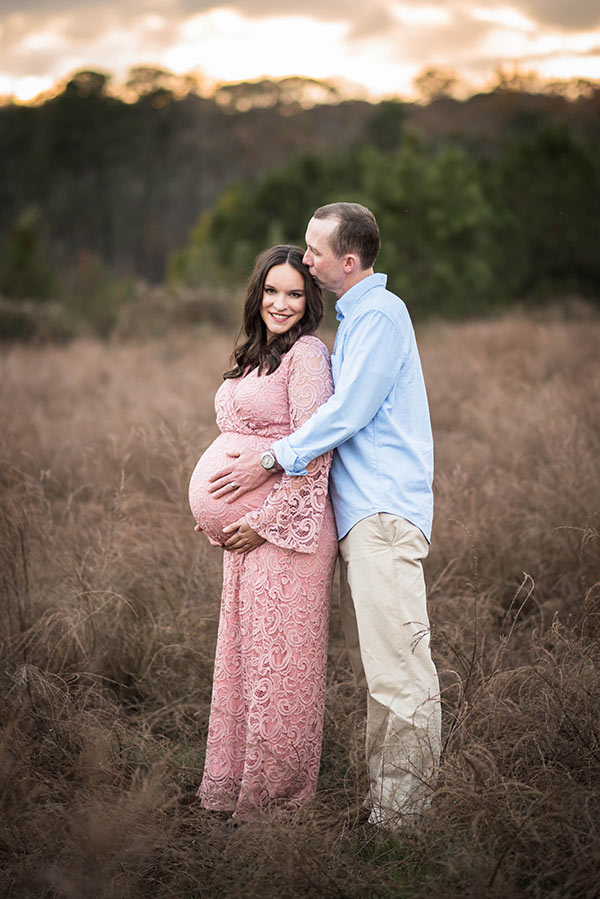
380 483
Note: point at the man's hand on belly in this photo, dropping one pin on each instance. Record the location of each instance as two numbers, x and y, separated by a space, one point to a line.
243 472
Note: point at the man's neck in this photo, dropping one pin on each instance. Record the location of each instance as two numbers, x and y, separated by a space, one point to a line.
353 279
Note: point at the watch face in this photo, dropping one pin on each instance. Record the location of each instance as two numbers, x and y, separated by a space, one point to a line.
267 460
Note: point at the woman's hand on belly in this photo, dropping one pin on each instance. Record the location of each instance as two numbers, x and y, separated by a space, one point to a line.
208 537
211 513
240 537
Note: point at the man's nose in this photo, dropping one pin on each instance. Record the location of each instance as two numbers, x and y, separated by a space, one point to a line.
307 259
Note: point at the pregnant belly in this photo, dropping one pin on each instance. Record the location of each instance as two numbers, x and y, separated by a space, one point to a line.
214 514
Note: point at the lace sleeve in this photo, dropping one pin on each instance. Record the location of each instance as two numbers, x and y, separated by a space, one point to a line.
292 514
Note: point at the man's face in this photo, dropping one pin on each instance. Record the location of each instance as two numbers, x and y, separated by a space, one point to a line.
325 267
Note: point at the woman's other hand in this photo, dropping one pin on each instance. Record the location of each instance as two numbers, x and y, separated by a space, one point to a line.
240 537
210 539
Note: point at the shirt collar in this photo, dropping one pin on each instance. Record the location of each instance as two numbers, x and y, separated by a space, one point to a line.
352 297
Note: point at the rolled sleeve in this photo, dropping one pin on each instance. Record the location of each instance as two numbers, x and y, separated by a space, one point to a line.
287 458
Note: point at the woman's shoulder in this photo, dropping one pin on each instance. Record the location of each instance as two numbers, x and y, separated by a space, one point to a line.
309 345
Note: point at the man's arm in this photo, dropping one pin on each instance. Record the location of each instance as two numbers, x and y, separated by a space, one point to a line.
373 355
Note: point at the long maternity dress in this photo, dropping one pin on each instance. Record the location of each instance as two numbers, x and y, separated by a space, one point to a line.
266 718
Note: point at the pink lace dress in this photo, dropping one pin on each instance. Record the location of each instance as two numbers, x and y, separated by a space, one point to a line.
266 718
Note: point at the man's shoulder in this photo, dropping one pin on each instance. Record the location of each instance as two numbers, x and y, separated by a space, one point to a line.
380 300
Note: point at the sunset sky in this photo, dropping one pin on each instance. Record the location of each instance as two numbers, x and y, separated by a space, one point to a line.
380 45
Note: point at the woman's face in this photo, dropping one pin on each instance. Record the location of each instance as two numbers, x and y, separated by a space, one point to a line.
284 300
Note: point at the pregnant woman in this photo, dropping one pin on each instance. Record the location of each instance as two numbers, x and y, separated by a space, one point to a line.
266 718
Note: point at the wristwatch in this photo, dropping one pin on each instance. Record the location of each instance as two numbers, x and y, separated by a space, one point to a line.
268 460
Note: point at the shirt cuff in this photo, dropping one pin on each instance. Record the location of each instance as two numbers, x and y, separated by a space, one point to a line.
287 458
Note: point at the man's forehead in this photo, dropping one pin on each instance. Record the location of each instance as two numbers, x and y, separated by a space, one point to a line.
318 230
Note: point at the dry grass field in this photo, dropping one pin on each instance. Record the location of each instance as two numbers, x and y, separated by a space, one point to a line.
108 621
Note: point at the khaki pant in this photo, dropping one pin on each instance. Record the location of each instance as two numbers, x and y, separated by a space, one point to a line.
384 614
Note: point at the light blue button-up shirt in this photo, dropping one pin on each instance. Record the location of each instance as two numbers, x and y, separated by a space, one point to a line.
378 417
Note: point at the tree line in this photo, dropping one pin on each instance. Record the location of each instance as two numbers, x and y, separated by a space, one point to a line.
480 201
461 234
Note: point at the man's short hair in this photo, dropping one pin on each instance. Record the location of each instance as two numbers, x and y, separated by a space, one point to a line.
357 231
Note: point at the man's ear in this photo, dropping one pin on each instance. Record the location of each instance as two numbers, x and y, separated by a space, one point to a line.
351 263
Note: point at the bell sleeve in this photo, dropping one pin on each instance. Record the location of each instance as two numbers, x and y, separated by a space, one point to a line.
292 514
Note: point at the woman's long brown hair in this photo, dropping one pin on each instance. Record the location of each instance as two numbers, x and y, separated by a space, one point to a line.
255 351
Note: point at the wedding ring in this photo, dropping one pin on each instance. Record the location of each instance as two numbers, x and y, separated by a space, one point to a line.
233 485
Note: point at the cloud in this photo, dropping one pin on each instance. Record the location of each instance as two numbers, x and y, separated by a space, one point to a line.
385 42
322 10
51 46
579 15
362 19
569 14
441 43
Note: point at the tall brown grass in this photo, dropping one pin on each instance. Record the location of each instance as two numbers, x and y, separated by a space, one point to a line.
109 611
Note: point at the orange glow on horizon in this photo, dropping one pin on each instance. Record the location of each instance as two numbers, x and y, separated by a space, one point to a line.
223 46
